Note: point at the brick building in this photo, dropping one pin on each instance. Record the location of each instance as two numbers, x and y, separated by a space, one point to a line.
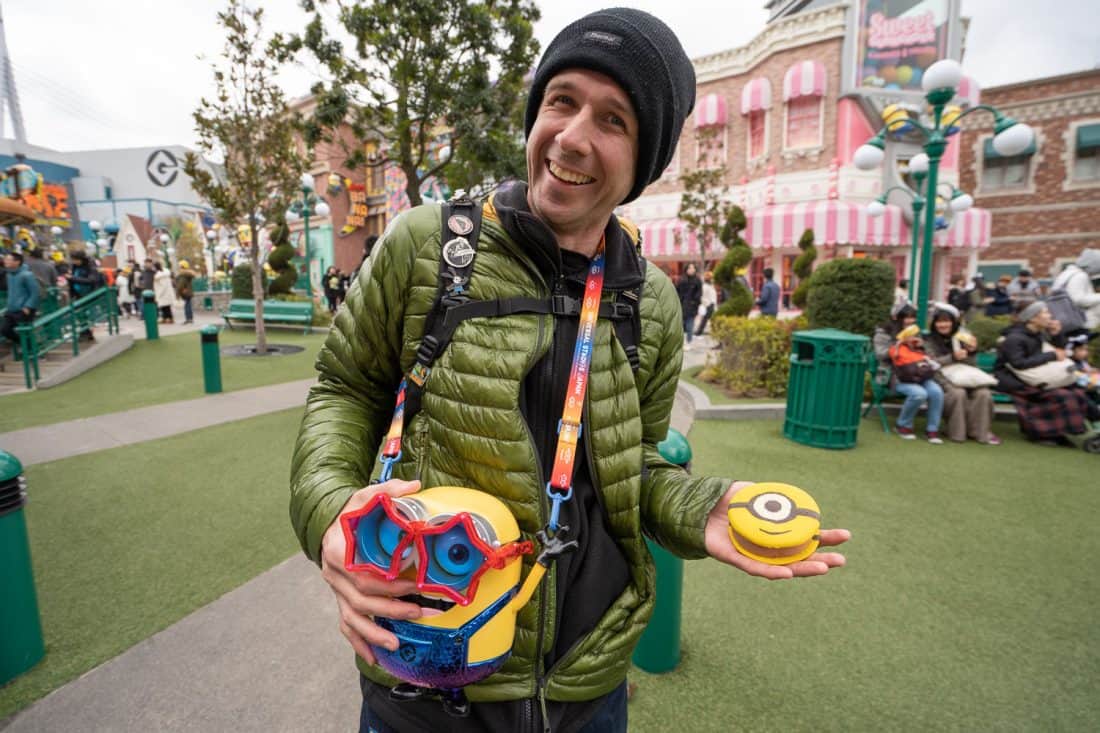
789 109
1046 201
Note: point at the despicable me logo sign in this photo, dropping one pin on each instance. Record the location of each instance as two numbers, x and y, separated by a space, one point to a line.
162 167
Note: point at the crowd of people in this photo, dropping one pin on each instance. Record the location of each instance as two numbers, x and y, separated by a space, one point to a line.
1041 363
699 298
335 286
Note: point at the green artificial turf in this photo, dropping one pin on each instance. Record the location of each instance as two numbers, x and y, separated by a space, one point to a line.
968 602
156 372
128 541
717 395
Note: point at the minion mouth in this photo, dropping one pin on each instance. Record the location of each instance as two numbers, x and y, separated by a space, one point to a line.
772 552
439 604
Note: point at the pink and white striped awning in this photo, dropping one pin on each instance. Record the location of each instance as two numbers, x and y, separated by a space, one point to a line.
710 111
804 79
846 222
972 228
969 92
833 222
670 238
756 95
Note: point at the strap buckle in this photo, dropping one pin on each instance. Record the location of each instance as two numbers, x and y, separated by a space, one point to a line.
426 352
564 305
620 311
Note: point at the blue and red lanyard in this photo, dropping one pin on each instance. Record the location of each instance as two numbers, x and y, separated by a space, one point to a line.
560 486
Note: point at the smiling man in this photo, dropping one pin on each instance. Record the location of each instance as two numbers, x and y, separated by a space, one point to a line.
548 400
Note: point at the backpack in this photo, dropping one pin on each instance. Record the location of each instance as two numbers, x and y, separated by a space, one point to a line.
459 234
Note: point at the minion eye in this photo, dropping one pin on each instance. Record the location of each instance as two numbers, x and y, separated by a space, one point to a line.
772 507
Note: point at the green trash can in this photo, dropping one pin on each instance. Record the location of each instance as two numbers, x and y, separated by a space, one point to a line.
21 644
659 648
825 388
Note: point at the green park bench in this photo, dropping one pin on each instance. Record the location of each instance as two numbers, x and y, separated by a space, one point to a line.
275 311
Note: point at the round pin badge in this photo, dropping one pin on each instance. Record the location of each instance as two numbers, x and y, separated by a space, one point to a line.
460 224
458 252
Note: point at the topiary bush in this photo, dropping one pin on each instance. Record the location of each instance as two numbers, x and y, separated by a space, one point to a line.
738 255
241 283
987 329
804 267
282 252
754 355
852 295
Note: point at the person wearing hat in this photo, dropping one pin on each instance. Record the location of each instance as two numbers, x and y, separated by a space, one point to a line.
967 410
1023 287
914 373
185 289
607 104
1077 349
1047 415
1077 280
1000 303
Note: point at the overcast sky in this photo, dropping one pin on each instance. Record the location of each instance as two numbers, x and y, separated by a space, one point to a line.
125 73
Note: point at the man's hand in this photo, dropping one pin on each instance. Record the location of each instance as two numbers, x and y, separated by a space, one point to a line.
721 548
362 596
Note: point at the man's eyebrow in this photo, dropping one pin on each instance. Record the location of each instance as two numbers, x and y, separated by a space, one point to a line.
564 85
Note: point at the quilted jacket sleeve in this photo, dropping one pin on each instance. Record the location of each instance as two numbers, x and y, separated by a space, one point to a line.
349 409
674 504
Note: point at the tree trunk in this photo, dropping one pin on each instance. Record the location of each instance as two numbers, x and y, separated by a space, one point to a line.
412 186
258 291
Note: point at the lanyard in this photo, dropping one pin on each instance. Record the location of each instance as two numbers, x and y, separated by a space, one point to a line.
560 486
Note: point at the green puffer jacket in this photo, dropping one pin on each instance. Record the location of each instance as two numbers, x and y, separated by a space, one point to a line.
470 432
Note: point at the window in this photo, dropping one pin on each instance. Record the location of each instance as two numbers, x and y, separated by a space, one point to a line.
1006 172
803 122
1086 162
757 133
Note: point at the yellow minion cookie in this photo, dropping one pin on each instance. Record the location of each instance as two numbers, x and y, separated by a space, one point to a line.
774 523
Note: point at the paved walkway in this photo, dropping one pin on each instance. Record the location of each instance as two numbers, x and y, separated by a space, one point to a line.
264 657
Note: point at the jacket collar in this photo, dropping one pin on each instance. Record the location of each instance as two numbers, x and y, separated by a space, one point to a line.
623 264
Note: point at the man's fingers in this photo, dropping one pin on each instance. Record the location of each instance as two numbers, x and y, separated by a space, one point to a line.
377 603
365 627
832 537
358 644
397 487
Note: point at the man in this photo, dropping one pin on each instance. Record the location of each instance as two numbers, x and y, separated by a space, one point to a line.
1023 287
44 272
690 292
607 104
769 295
145 279
185 289
22 296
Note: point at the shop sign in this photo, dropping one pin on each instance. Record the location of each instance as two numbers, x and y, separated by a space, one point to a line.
51 204
899 40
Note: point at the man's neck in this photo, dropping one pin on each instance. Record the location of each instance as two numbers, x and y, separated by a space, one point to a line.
583 244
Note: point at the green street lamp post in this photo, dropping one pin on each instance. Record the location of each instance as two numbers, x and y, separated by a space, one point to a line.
958 203
1010 138
310 204
99 241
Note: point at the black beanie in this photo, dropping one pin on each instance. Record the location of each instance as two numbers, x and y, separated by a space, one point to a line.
645 58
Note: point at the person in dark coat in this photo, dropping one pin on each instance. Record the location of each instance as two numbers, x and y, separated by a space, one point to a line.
1001 305
1046 416
690 290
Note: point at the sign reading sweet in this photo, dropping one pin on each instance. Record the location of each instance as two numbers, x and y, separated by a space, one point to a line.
899 40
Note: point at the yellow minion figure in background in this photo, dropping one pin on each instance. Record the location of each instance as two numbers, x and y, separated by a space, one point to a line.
462 548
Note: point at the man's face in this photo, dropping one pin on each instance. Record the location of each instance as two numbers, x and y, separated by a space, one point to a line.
581 152
1042 319
148 264
10 262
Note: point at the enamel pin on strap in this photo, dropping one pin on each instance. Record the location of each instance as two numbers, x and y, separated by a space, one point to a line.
560 486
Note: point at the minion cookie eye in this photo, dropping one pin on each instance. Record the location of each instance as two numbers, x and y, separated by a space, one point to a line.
772 507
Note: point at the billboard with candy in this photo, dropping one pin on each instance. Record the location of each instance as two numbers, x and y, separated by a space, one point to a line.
899 39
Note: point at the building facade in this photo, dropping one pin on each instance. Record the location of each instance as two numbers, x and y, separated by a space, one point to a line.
1046 201
788 111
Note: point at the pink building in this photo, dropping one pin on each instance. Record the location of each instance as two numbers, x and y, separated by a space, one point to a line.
789 110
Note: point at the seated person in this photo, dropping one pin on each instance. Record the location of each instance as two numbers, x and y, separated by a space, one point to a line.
914 377
901 315
1088 376
1046 416
969 412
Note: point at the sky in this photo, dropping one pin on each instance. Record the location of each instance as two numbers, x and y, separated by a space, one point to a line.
128 73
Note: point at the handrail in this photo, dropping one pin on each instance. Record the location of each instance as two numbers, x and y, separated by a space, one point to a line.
65 324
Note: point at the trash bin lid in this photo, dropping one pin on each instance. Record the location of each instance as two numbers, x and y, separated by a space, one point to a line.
675 448
10 467
828 334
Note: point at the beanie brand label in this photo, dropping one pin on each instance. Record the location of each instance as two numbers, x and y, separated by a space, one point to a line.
606 39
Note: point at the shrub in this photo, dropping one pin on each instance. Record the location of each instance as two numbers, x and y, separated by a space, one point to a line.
803 267
852 295
738 255
754 355
279 259
241 282
987 329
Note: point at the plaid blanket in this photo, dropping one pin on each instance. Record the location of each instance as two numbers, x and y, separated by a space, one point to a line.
1046 414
